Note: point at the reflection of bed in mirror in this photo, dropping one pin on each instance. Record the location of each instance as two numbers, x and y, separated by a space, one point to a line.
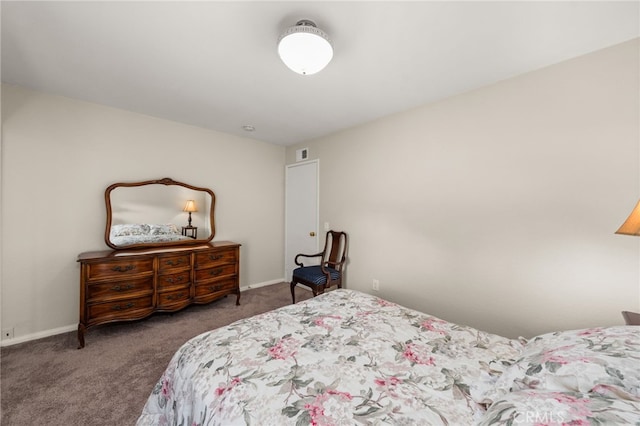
140 233
153 213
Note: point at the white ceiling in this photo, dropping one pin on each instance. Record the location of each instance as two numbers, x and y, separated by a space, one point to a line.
214 64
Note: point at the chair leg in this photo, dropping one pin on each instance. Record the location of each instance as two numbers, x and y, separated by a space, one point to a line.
293 293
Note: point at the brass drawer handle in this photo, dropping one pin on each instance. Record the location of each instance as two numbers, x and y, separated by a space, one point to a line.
215 287
215 256
124 287
120 307
123 269
215 272
172 263
175 296
174 280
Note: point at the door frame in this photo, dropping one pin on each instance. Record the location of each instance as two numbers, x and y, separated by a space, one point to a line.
286 213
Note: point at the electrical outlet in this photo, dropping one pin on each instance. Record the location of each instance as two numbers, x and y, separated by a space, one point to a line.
375 285
7 333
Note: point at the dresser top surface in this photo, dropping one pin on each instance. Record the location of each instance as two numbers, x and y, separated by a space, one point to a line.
101 254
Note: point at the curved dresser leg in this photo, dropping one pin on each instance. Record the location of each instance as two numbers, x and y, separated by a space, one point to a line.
238 298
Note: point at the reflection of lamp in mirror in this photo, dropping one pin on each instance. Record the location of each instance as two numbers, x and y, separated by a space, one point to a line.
190 207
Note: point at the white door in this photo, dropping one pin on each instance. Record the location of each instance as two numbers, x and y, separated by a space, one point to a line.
301 213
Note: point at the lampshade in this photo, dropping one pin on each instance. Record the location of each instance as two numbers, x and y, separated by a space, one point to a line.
190 206
631 226
304 48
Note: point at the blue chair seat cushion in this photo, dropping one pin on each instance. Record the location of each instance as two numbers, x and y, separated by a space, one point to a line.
313 275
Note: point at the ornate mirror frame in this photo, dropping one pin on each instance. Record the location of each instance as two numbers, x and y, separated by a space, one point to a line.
208 211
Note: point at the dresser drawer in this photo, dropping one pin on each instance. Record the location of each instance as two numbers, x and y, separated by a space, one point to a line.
118 289
119 268
214 273
181 279
214 258
224 286
170 298
125 285
167 263
125 308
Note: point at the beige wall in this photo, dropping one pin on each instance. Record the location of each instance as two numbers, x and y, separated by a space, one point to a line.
59 155
497 208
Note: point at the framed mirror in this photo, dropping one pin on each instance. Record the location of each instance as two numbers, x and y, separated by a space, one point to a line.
158 213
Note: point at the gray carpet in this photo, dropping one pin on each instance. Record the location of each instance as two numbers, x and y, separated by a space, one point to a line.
51 382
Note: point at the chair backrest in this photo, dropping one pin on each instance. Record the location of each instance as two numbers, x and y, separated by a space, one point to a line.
335 249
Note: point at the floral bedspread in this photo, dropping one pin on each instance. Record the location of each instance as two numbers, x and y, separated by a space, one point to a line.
341 358
348 358
574 377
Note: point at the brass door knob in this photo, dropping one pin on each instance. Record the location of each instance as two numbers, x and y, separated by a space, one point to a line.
312 234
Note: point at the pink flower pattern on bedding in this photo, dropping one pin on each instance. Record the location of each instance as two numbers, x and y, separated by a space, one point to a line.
346 358
342 358
590 360
530 407
575 377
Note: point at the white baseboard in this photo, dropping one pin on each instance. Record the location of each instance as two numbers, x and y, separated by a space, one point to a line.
262 284
38 335
74 327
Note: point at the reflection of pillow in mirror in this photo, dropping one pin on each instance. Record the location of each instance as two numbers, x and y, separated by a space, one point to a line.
167 229
130 229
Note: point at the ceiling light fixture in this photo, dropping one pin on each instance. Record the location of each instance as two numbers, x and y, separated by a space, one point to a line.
305 48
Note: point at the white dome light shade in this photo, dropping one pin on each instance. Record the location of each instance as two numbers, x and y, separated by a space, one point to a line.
304 48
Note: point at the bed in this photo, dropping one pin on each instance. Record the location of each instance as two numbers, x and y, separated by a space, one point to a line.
346 358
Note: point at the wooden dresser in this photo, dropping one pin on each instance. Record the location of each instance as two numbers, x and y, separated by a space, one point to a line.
125 285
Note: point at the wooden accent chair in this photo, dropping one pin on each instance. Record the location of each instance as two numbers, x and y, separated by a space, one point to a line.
328 272
631 318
